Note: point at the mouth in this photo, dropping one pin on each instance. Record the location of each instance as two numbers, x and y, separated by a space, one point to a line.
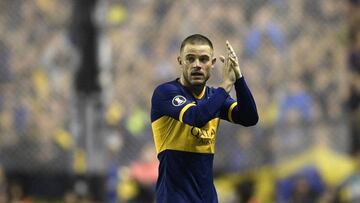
197 74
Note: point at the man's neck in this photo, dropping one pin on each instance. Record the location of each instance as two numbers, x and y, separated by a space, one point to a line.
195 89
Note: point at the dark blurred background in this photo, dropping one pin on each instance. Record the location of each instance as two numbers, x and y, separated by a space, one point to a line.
76 78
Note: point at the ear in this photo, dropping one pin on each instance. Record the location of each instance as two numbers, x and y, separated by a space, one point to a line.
179 60
213 61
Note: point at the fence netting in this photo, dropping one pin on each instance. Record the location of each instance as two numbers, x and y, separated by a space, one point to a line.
293 54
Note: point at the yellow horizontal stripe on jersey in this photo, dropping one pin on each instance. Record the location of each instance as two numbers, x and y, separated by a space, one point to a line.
186 107
170 133
230 110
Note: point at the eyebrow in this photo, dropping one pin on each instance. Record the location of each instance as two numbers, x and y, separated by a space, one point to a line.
198 55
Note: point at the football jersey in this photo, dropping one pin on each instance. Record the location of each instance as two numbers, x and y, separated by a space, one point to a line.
184 128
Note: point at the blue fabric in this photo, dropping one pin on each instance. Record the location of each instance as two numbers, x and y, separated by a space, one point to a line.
245 113
205 109
185 177
215 103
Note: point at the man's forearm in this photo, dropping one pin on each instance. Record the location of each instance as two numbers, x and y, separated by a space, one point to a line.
245 112
227 85
200 114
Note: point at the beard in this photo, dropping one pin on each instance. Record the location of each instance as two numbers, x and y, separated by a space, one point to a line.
196 79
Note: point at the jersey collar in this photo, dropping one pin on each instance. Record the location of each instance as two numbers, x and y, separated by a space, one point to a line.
196 96
201 94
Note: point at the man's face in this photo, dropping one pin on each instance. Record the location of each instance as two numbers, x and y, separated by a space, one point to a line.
196 60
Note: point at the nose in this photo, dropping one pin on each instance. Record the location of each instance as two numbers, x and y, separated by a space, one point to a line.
197 63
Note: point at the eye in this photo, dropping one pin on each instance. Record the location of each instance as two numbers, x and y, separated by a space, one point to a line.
190 59
204 59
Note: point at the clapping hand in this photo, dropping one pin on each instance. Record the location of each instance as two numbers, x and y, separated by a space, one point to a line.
231 69
231 60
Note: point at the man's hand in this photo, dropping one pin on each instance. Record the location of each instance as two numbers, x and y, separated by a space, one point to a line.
234 63
228 74
231 69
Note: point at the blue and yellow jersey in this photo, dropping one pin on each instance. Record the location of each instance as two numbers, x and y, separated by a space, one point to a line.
184 128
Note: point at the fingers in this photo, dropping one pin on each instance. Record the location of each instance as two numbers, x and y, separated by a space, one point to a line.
234 61
228 60
231 58
231 55
231 51
222 58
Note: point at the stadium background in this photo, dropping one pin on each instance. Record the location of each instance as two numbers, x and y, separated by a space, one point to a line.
76 78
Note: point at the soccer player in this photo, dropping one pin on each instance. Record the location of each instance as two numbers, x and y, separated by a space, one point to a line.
185 115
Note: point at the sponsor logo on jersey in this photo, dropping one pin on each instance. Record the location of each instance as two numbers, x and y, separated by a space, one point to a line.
205 136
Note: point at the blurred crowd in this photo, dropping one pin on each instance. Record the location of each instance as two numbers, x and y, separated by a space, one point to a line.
36 65
301 59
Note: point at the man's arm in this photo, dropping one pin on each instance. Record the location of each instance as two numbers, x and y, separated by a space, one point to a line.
244 111
187 112
200 114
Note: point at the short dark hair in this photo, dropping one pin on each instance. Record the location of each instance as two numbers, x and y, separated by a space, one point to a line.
196 39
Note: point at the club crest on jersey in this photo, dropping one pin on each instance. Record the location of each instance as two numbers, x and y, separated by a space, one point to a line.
178 100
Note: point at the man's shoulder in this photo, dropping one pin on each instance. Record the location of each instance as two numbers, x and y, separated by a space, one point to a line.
167 86
210 89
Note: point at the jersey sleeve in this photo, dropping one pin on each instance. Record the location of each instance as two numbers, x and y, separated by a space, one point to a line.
242 111
227 108
170 101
